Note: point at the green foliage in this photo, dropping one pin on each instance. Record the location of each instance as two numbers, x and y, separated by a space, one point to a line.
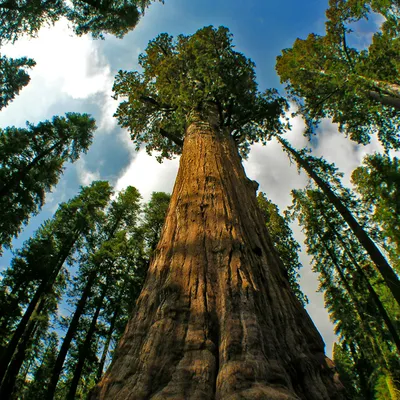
358 89
18 17
154 214
13 77
190 76
110 256
284 242
31 161
41 373
345 367
349 284
44 258
378 183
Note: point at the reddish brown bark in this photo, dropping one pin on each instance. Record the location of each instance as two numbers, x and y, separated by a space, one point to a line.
216 318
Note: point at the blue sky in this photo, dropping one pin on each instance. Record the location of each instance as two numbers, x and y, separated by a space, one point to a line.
76 74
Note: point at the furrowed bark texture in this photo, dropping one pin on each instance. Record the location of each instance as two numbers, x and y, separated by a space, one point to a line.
216 318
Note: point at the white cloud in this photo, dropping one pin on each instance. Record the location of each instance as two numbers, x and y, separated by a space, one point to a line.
67 68
85 176
148 175
339 149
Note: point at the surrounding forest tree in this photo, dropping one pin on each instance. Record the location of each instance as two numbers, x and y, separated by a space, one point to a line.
328 180
31 162
284 243
111 257
97 263
366 318
45 255
216 317
360 90
13 77
378 183
95 16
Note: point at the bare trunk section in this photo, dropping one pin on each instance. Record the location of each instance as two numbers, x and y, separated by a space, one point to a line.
84 349
216 318
73 327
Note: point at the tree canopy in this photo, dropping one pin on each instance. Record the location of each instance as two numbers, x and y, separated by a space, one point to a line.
377 180
31 162
95 16
358 89
13 77
188 75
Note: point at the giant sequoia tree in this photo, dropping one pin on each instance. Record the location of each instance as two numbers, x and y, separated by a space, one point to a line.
216 318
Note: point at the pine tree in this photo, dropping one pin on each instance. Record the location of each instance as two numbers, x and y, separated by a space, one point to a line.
31 164
103 248
284 242
216 317
71 223
327 179
42 373
359 90
378 183
364 320
95 16
13 77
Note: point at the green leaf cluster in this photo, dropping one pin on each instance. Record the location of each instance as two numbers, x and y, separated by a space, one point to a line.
377 180
31 162
98 17
358 89
188 76
13 77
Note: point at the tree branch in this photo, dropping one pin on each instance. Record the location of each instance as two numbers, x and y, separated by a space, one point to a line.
346 50
172 137
154 102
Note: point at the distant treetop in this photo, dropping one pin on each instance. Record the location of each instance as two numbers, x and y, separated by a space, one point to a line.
99 17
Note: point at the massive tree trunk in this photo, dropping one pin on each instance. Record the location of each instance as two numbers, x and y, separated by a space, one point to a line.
216 318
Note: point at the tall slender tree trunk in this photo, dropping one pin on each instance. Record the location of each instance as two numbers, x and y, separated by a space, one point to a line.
107 343
375 297
373 251
32 308
18 177
364 371
364 322
73 326
216 318
85 348
8 383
